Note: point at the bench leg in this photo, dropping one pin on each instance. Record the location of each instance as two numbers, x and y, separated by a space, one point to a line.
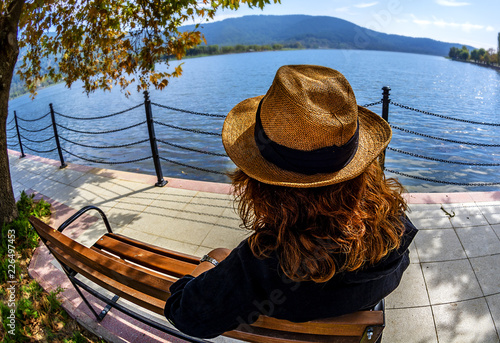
108 307
104 311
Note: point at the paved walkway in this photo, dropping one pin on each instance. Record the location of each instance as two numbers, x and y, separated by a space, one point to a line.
450 293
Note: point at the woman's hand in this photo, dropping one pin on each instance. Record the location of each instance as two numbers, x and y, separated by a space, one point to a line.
218 254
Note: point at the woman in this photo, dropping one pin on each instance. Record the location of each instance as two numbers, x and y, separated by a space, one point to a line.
329 232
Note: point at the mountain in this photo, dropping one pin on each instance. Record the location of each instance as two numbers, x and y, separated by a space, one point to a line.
313 32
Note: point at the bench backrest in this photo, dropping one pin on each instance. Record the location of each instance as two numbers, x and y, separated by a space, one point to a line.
142 273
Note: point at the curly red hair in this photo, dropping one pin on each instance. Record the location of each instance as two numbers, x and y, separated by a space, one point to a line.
317 232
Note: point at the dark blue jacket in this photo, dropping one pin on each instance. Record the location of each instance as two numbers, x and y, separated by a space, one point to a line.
242 287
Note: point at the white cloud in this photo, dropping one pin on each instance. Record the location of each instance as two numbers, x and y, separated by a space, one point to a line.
466 27
451 3
366 4
420 22
443 24
342 9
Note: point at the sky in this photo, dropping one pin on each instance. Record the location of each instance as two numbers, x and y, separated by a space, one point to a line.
471 22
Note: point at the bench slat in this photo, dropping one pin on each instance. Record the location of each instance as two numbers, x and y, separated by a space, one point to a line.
161 263
135 265
352 324
115 269
141 299
270 336
157 250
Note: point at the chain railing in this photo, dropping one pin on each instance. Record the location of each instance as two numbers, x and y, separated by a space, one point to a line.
16 131
443 116
460 143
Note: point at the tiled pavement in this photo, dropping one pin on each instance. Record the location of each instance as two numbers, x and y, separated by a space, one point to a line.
450 292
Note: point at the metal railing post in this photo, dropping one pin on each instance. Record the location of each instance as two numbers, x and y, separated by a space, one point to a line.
152 140
19 136
56 136
385 115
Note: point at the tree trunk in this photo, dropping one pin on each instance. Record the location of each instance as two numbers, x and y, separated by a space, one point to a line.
9 22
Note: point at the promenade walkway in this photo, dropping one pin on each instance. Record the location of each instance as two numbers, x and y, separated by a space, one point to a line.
450 293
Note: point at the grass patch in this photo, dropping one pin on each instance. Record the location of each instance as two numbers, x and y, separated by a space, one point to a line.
33 314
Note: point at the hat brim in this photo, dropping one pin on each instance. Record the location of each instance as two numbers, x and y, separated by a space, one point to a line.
238 140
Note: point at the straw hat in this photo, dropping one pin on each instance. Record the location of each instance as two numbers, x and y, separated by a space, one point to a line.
307 131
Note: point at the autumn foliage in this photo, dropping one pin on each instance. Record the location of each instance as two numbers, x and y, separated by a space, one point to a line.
109 43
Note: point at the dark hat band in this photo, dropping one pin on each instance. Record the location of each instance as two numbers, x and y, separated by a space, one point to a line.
324 160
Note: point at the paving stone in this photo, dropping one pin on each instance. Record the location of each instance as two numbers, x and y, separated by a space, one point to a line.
183 247
196 215
139 235
120 215
462 209
224 238
438 245
189 231
442 222
479 241
450 281
33 181
465 322
433 212
492 218
468 220
494 306
89 236
411 292
409 325
65 176
89 179
496 228
487 269
57 191
208 205
414 253
490 208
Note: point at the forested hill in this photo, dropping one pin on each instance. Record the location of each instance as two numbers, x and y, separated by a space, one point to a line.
313 32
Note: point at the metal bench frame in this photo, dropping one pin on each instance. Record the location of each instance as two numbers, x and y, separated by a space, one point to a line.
372 332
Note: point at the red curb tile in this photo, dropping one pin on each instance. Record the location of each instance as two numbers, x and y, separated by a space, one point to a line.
13 152
201 186
485 196
123 175
437 198
80 168
43 160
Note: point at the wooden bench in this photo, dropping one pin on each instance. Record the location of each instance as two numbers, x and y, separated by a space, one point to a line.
142 274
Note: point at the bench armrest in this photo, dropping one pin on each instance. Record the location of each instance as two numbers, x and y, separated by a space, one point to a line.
82 211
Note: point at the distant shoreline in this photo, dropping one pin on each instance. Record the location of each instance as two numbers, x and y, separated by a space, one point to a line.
491 66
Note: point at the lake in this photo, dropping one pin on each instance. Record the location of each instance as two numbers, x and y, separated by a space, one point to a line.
215 84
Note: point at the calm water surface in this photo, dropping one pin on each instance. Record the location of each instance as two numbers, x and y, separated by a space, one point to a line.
215 84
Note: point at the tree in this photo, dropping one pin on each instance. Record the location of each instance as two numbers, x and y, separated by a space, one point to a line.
487 58
454 52
498 47
104 43
474 55
493 56
463 54
481 54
